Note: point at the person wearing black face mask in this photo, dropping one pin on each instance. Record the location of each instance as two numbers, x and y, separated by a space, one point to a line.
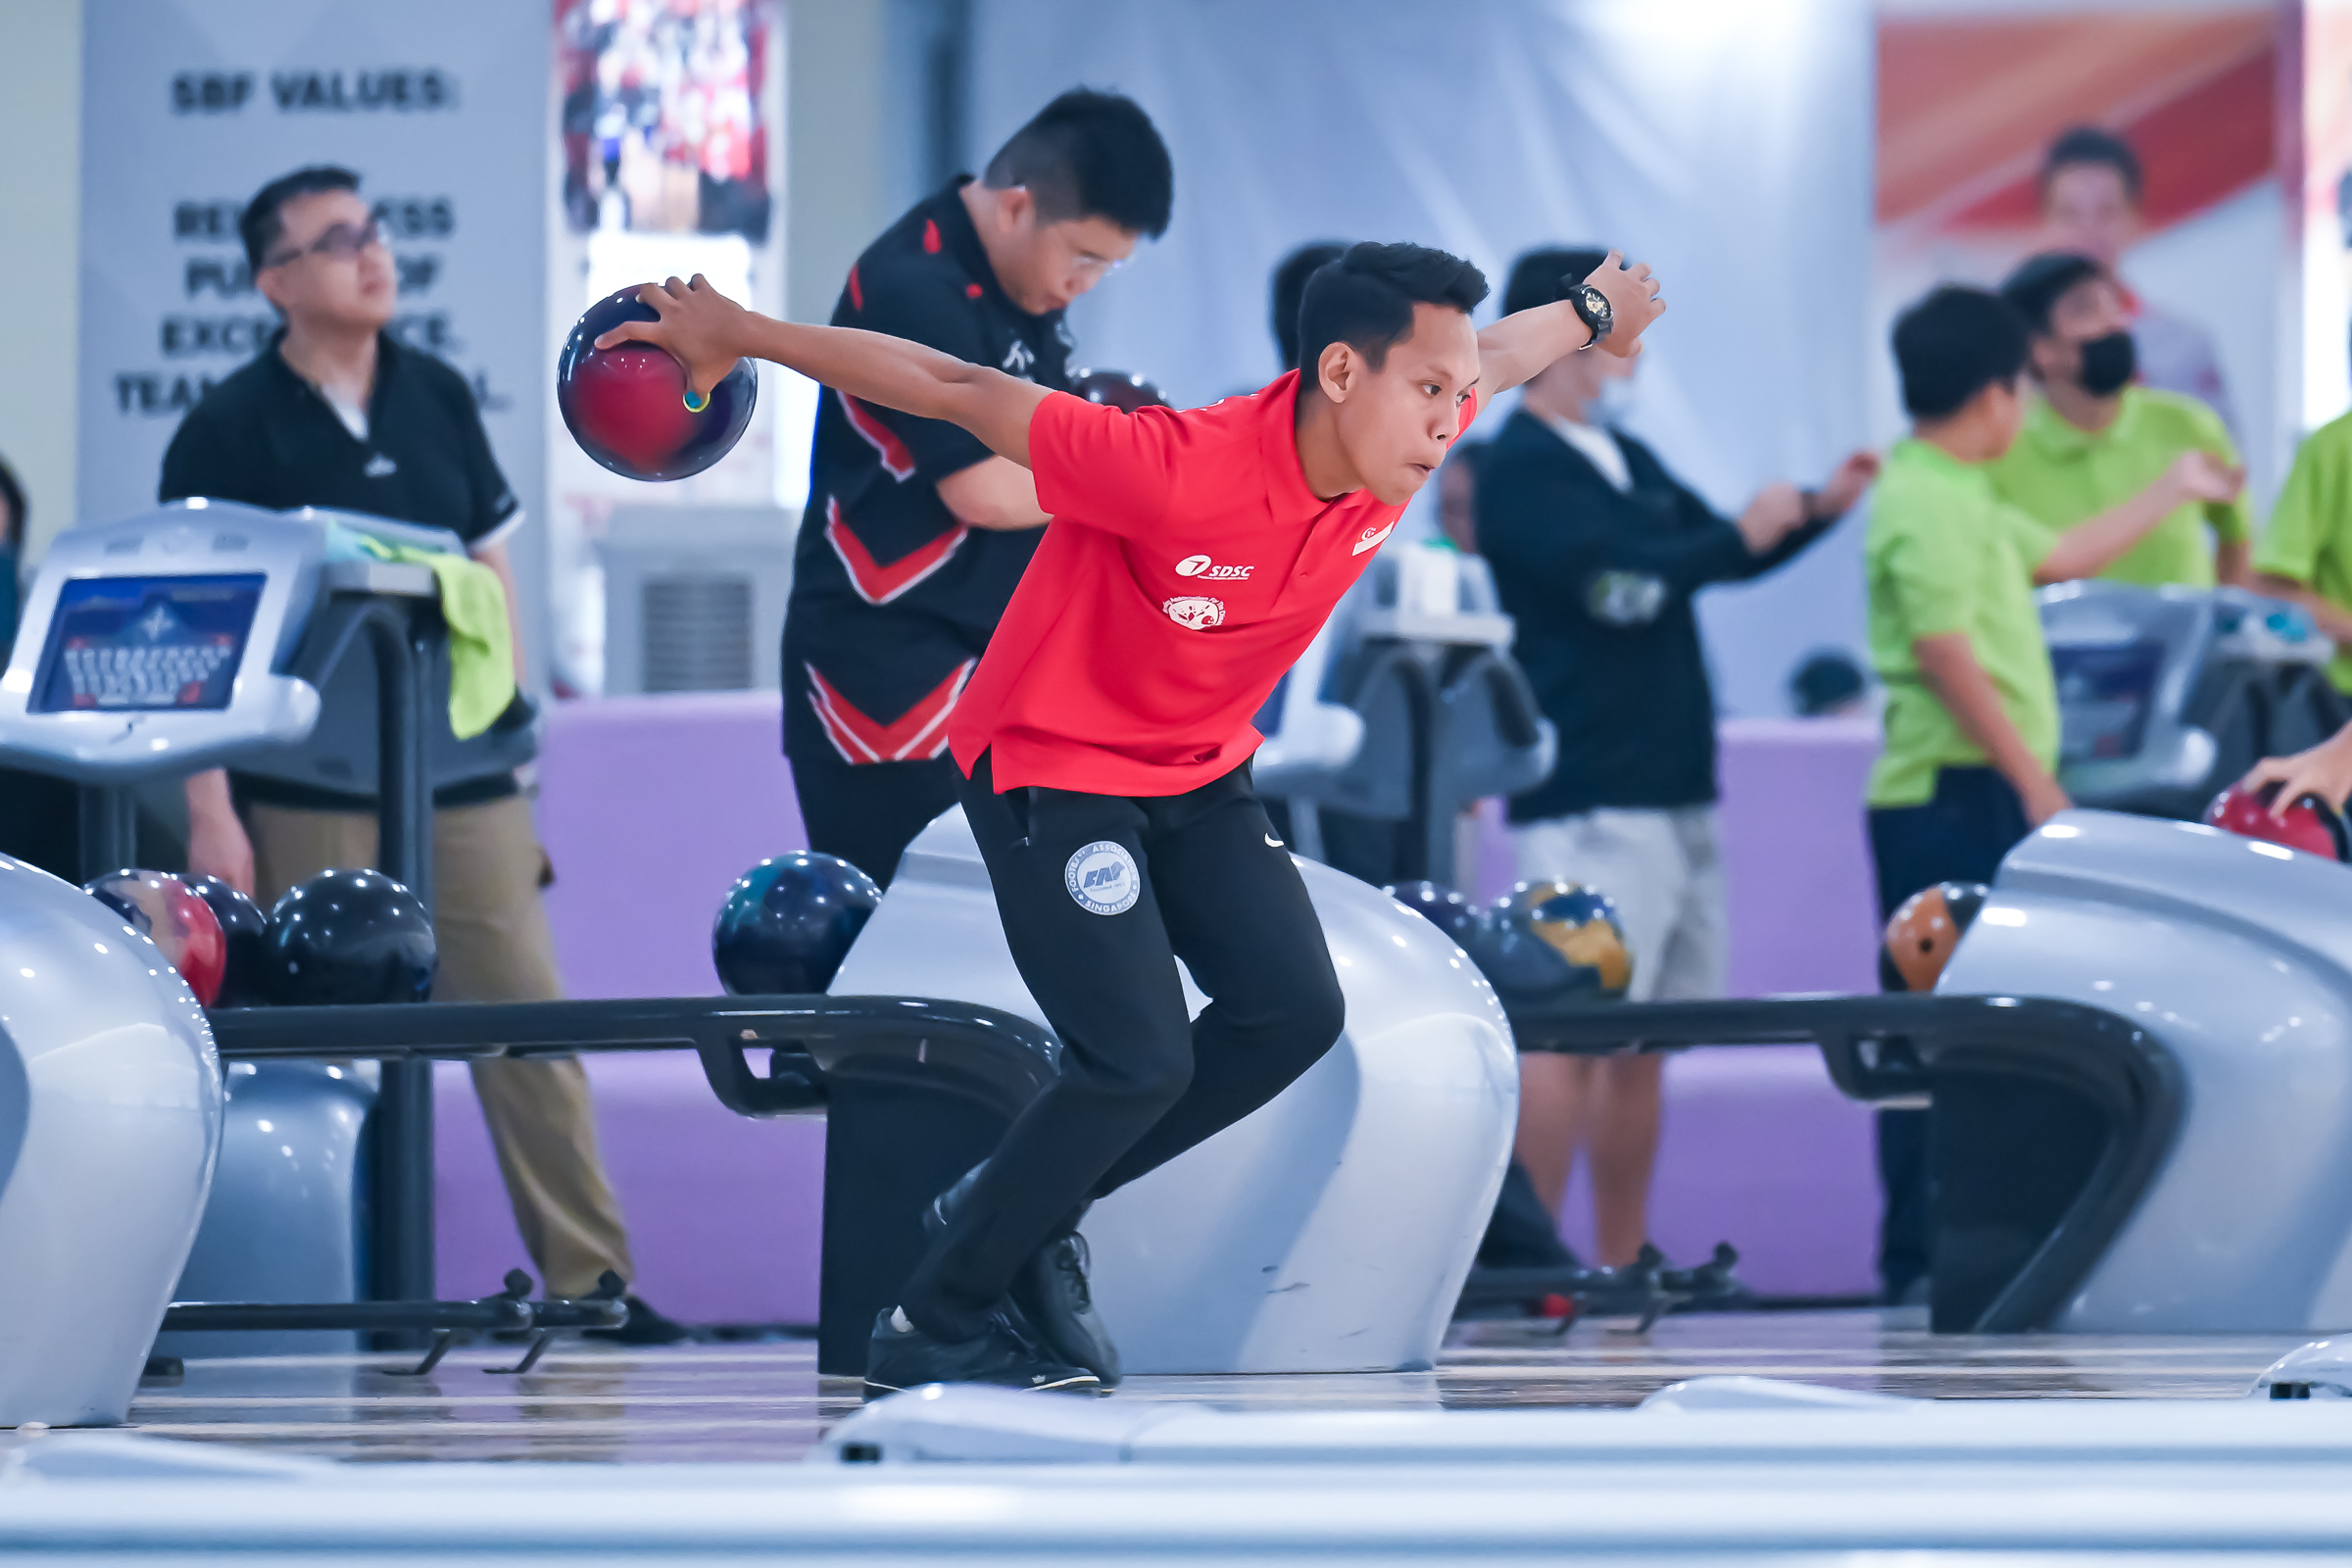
2095 438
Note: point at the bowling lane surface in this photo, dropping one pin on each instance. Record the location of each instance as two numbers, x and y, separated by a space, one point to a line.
763 1400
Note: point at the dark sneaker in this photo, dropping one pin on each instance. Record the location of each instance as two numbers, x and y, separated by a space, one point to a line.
1710 1287
906 1357
1051 1290
645 1326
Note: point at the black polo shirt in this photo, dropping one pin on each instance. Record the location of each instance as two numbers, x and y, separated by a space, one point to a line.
1601 582
267 437
893 600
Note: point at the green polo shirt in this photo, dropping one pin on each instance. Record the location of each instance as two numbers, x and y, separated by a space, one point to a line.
2060 475
2310 536
1944 554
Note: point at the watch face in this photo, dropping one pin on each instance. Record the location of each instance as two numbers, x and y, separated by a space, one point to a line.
1597 306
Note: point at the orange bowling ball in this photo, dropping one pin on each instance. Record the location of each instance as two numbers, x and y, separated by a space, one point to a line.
1924 932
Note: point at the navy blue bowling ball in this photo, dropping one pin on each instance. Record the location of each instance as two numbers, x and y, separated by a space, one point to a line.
348 939
628 407
247 929
788 922
1440 905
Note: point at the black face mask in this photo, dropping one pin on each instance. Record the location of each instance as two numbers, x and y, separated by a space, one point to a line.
2108 364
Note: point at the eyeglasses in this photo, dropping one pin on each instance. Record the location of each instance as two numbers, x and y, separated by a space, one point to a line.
1086 263
342 241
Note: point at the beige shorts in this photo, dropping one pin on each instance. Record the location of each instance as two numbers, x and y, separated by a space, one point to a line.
1662 871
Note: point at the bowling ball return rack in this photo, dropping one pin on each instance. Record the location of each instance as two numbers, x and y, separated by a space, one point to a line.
915 1091
2078 1106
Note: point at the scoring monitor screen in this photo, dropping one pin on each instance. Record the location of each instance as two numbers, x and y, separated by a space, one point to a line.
2104 698
146 644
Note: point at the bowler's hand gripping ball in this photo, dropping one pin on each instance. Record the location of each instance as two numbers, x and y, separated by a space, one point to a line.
2307 825
629 406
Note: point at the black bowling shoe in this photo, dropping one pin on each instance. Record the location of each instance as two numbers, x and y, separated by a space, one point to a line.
1051 1290
1000 1355
645 1326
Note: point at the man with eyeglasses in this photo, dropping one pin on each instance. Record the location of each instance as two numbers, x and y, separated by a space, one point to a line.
915 533
336 412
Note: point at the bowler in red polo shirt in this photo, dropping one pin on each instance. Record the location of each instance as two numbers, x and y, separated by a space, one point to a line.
1104 738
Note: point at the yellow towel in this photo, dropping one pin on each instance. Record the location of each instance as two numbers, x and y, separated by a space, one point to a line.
481 643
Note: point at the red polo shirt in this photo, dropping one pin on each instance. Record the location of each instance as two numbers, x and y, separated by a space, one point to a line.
1187 566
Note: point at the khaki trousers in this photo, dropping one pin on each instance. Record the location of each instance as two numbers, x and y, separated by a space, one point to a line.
495 946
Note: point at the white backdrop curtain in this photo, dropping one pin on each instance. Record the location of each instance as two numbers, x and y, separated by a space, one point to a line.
1725 141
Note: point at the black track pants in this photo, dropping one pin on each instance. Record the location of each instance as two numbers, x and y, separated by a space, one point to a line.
1099 895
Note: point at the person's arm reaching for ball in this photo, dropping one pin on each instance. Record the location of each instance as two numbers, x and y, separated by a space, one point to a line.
2091 546
2325 770
1947 663
1517 348
707 332
217 840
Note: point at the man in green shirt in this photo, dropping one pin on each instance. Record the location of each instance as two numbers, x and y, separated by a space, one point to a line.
2092 439
2306 553
1972 711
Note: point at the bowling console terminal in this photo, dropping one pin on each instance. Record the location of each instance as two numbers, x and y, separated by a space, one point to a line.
2166 694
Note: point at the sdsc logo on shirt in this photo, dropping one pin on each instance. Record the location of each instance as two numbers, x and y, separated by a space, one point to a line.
1203 566
1103 878
1195 614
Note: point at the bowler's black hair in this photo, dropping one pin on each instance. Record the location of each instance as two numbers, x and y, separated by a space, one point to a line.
1954 344
259 225
2040 281
2088 144
1544 276
1290 288
1090 154
1365 300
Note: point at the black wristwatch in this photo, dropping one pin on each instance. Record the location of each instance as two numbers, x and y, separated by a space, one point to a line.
1592 309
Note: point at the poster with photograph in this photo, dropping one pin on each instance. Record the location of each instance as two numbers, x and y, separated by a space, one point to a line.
1972 101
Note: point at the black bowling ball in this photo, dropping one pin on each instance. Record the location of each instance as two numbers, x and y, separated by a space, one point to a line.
1437 904
788 922
1119 389
347 938
247 932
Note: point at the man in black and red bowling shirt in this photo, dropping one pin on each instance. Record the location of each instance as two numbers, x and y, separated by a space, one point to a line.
915 533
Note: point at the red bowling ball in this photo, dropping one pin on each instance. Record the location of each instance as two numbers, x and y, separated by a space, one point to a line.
2307 825
170 913
626 405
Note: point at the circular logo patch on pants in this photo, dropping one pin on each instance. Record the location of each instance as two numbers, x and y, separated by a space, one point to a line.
1103 878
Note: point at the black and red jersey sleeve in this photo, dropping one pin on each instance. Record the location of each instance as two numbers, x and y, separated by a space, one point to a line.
924 302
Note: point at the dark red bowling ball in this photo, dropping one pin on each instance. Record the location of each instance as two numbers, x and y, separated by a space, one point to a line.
167 912
626 405
1119 389
2308 825
247 931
